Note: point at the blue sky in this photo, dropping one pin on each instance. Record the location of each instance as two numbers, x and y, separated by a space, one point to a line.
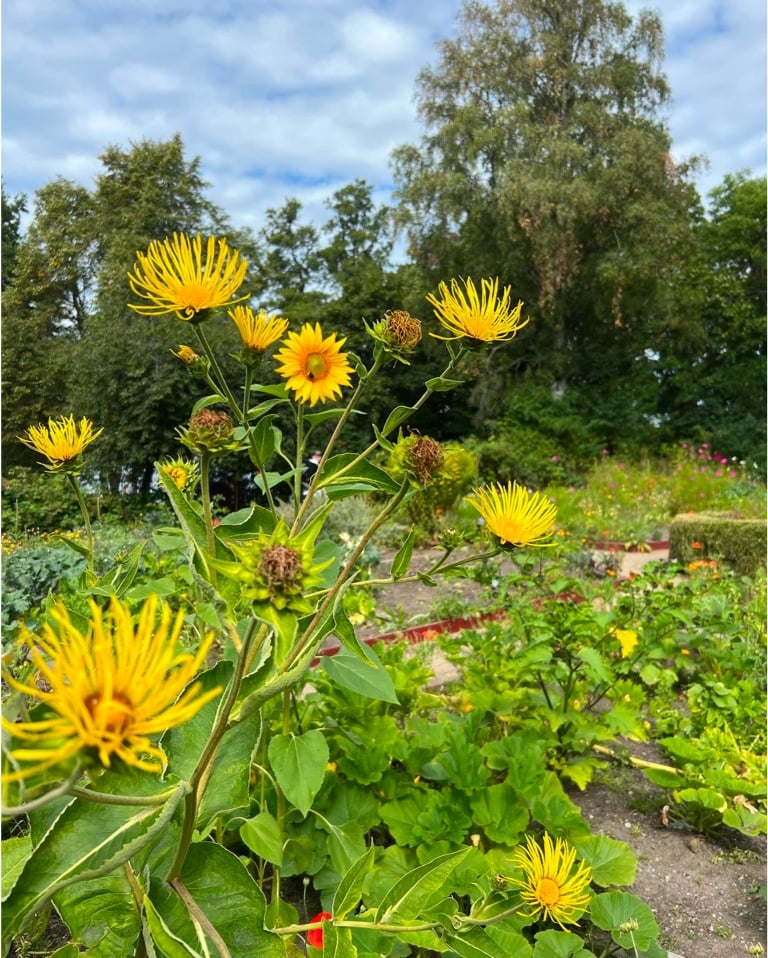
297 98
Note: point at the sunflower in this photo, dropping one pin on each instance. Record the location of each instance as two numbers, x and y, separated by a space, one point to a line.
106 690
551 886
483 318
516 516
176 277
62 441
258 331
314 367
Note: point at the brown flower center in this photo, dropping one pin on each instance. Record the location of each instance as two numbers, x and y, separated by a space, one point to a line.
281 568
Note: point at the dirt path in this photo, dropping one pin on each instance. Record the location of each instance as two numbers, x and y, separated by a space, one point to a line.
705 892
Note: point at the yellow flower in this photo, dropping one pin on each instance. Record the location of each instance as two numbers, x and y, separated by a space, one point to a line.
183 473
627 640
551 886
186 354
516 516
108 689
485 318
62 441
176 277
258 331
314 367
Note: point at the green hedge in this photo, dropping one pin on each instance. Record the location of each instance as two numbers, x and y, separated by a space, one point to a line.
739 542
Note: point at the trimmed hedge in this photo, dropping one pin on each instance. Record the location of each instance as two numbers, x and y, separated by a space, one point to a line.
717 535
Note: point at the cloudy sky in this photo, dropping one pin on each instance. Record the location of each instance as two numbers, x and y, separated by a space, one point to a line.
297 98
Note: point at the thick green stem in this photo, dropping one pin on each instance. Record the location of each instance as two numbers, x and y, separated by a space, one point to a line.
353 401
86 518
330 597
208 754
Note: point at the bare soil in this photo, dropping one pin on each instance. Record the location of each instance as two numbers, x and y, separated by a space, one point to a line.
707 892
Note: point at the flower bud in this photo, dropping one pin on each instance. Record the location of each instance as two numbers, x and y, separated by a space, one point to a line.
209 431
424 458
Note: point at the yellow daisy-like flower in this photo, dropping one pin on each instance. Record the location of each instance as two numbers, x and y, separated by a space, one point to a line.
108 689
183 473
483 317
62 441
314 366
551 886
516 516
627 640
258 331
177 277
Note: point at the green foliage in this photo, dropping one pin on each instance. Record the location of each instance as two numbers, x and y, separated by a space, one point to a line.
34 501
445 487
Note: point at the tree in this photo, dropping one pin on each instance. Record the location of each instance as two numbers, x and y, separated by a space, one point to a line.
712 355
546 162
70 342
12 208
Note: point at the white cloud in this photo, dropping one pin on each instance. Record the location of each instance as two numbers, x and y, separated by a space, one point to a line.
300 98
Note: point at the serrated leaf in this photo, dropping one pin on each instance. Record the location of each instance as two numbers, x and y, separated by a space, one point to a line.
410 893
597 663
88 840
350 889
299 762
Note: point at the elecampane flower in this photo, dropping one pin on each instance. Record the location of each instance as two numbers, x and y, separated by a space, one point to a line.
258 331
483 317
62 441
313 365
514 515
554 889
109 689
628 640
177 277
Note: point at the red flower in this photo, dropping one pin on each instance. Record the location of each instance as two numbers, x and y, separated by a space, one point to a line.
696 545
315 935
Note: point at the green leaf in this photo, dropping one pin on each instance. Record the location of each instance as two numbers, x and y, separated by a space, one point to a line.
398 416
350 888
440 384
299 762
15 852
371 680
224 892
337 942
629 920
612 861
501 815
362 476
402 561
170 946
263 836
184 744
227 790
597 664
560 944
89 840
262 443
101 914
478 943
406 898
